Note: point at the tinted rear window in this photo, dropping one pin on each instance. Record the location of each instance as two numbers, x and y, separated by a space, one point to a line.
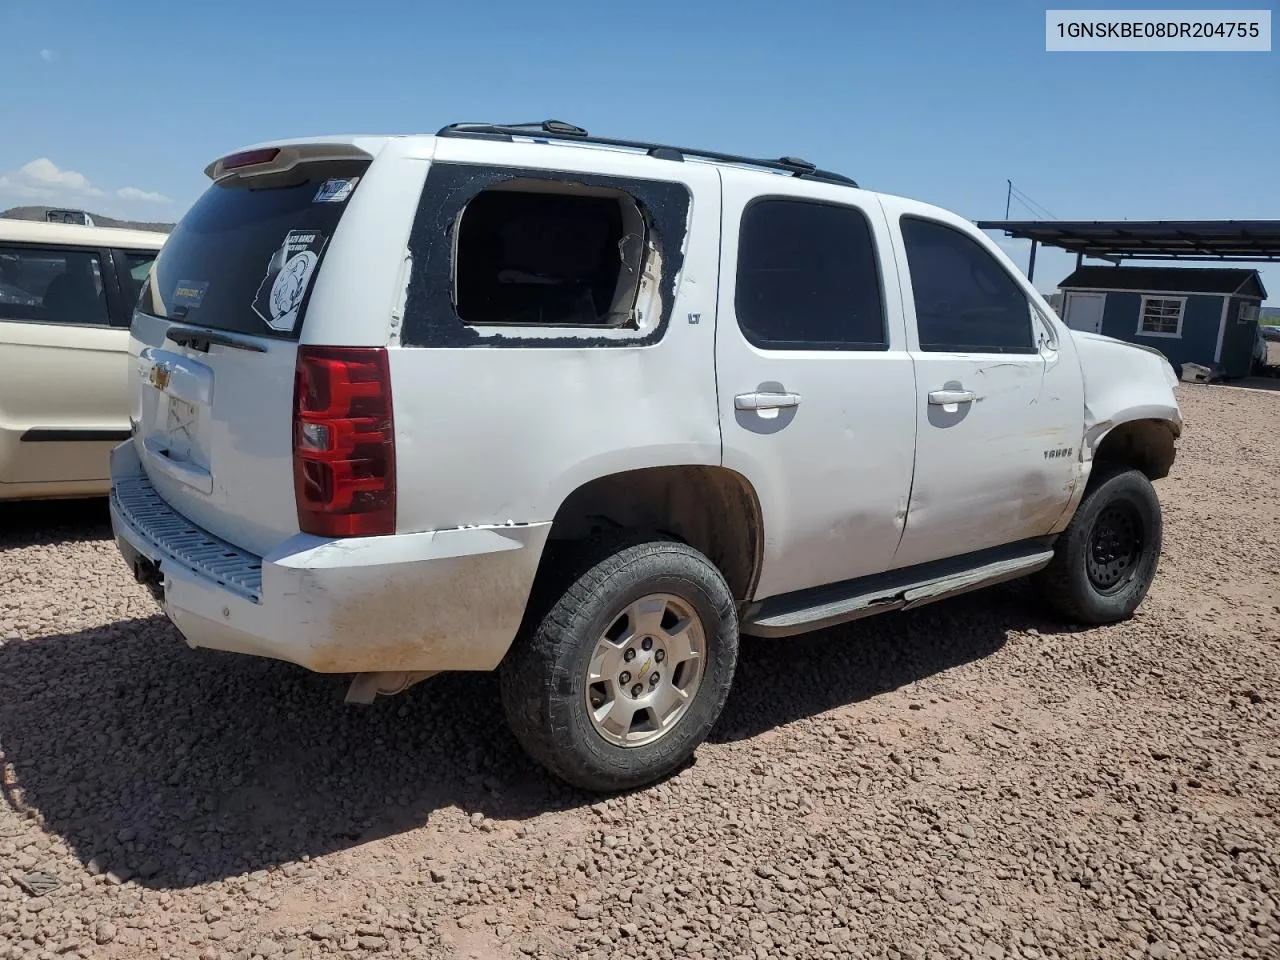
244 258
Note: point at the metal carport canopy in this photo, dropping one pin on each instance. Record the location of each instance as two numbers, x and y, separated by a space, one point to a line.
1116 240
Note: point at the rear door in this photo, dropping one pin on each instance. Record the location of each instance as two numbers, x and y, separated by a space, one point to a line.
999 402
215 338
817 394
63 393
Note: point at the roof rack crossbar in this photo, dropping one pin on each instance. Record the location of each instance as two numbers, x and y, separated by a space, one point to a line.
559 130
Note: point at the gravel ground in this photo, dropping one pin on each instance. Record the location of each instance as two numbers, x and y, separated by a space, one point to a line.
970 780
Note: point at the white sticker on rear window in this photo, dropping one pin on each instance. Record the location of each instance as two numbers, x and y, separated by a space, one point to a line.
288 276
335 191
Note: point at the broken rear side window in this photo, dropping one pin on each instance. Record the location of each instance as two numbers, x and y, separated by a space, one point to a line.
548 254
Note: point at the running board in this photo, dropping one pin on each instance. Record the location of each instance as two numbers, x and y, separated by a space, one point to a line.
821 607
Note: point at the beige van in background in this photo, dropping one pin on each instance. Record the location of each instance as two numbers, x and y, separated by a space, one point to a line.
66 297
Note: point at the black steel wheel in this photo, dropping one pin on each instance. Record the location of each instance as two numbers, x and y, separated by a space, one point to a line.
1115 545
1105 560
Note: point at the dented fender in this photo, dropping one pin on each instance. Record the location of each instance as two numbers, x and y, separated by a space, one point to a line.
1123 382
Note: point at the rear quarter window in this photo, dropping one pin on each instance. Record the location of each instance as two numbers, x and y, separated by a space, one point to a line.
512 257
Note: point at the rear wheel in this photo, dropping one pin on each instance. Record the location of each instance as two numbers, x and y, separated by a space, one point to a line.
1105 560
623 673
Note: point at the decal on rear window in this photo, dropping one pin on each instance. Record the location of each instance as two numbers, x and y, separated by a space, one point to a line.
335 191
288 274
189 293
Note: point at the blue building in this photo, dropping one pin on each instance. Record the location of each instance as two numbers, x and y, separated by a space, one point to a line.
1191 315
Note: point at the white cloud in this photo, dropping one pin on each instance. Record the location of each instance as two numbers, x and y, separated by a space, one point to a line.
147 196
46 55
42 180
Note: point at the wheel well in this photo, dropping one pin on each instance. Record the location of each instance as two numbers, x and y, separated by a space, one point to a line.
1144 444
712 509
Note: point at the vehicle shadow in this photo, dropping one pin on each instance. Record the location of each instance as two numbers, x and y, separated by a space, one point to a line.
779 681
185 766
26 523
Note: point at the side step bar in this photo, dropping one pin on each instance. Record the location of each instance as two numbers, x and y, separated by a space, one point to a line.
821 607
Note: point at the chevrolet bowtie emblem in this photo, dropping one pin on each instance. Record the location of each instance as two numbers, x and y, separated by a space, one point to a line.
160 376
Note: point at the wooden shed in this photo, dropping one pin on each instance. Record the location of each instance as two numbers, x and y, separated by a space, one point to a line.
1191 315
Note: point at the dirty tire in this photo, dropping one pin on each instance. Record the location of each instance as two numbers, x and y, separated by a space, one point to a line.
1067 586
543 679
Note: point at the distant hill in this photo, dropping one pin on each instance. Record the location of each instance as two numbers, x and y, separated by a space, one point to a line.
99 220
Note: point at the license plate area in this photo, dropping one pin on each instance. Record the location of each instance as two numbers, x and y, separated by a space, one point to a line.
177 399
181 438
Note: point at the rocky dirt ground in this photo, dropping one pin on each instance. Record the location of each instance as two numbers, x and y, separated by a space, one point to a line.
971 780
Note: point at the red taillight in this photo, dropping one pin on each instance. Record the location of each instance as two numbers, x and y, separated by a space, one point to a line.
344 448
250 157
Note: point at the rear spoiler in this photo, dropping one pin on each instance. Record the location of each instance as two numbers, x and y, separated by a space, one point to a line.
277 158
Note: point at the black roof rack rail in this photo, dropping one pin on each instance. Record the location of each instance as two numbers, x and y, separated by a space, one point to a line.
559 130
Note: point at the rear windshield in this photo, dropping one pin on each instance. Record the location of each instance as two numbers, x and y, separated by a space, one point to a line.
244 257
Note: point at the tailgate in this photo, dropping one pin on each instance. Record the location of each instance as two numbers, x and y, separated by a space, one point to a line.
214 342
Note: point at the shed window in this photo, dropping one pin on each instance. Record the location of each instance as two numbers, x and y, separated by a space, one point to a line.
549 254
1162 316
1248 313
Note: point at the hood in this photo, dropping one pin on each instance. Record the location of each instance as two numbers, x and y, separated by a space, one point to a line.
1082 335
1083 338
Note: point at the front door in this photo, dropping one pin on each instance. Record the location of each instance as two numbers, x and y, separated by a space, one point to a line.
816 390
999 399
1083 311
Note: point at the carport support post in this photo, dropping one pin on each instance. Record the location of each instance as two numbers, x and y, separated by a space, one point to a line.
1031 264
1079 260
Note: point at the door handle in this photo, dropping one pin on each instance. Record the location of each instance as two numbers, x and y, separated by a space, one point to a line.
765 401
943 397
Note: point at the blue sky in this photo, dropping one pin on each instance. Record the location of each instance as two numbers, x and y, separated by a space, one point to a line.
118 109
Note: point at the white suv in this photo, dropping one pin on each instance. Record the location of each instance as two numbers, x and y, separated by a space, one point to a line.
581 410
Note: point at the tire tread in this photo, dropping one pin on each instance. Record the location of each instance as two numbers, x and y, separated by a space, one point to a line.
564 599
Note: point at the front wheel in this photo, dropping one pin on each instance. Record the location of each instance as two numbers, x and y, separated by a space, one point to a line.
1105 560
626 668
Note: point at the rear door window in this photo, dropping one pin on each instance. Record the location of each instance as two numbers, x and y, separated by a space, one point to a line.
244 257
52 285
808 277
